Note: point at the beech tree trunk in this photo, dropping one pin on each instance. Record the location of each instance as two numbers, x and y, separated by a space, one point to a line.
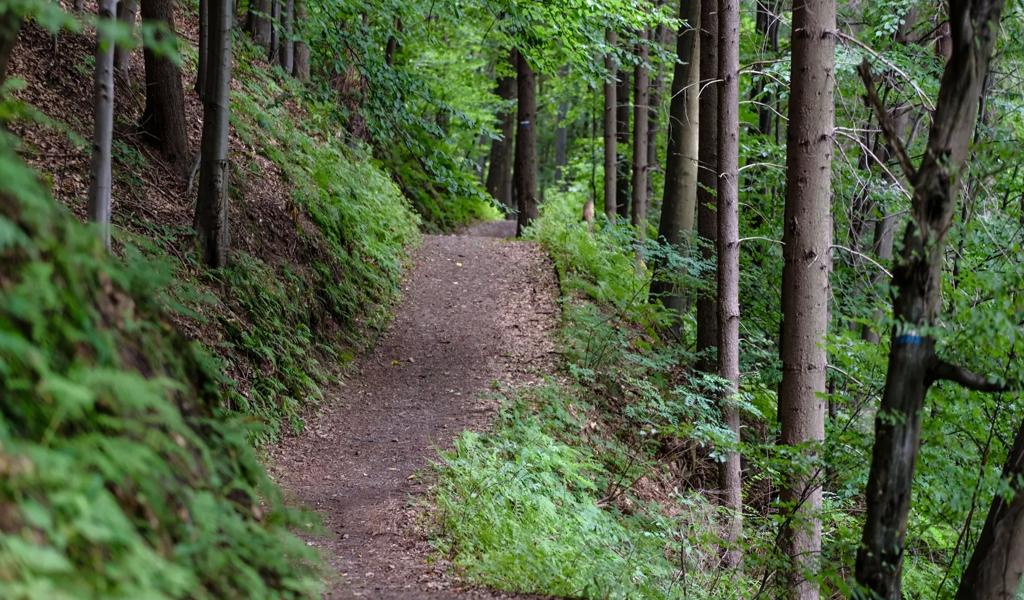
623 96
127 12
729 262
499 171
286 50
654 108
525 174
807 261
301 68
203 48
211 220
680 198
641 89
610 146
707 181
163 119
259 23
274 47
100 179
10 25
917 281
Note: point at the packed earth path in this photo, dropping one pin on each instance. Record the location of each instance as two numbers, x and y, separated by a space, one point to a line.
477 309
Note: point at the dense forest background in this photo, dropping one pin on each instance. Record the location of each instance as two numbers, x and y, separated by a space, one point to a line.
788 239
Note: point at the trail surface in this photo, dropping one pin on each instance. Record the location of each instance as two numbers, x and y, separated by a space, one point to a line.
476 309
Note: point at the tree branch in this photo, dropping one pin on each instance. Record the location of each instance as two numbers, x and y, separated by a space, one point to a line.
883 119
944 371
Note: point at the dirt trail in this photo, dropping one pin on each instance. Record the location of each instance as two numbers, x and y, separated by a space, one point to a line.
476 309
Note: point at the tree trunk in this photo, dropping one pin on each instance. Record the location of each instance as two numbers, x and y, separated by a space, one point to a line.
163 119
274 47
680 197
641 89
499 171
917 281
707 181
610 160
729 261
807 260
622 110
561 142
766 24
10 25
203 48
259 23
525 174
211 220
996 566
286 52
301 68
127 11
883 251
654 108
100 179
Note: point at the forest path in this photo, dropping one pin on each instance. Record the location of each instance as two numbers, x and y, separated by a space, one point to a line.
476 309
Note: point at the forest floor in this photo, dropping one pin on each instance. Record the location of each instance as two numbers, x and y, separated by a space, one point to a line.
478 311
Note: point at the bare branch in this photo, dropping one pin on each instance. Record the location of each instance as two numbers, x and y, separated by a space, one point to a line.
944 371
883 119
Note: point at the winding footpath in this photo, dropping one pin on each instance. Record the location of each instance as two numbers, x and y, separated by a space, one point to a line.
476 309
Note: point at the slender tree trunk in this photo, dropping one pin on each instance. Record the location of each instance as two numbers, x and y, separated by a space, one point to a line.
729 261
622 111
275 31
641 90
100 179
286 52
127 12
561 142
525 174
259 23
917 281
211 220
766 24
994 572
10 25
654 109
610 160
680 198
499 171
807 260
163 119
203 48
707 182
301 68
883 251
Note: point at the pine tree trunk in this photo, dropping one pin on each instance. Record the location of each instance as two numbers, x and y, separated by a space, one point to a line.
729 261
211 220
525 174
100 178
10 25
499 171
301 68
286 52
127 12
641 89
610 160
623 95
163 119
807 261
680 198
707 181
917 281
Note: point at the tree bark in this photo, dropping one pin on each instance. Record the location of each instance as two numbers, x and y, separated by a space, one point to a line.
917 281
641 89
274 46
211 220
995 569
680 197
10 25
301 68
807 261
525 174
623 95
127 12
499 171
658 38
729 262
163 119
707 182
100 179
259 23
203 48
286 50
767 24
610 149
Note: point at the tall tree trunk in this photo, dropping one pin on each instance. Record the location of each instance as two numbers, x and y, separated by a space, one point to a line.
641 89
211 220
995 569
259 23
163 119
807 260
561 142
203 48
729 261
883 251
917 281
707 182
499 171
100 179
10 25
301 69
766 24
610 160
127 11
525 174
286 52
623 95
680 198
274 47
658 39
